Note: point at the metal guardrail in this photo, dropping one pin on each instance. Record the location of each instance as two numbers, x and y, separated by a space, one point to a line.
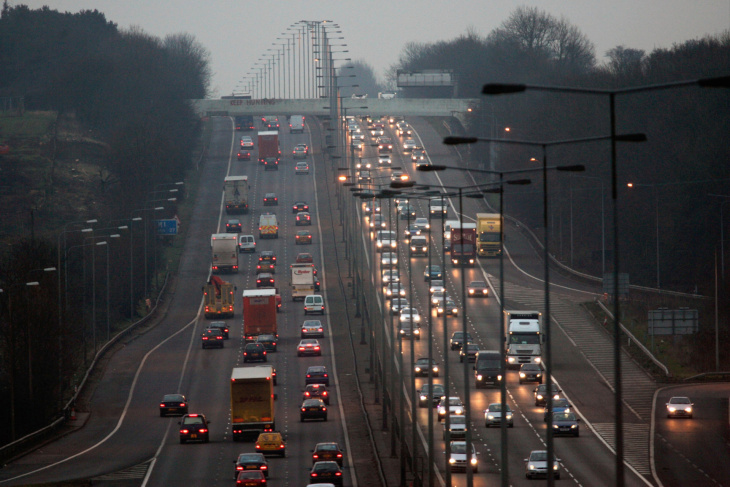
705 375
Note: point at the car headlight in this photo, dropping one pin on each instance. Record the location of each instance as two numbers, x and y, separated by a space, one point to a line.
671 409
511 360
435 369
509 416
413 249
555 466
539 397
416 331
479 377
473 460
531 467
422 397
452 460
442 411
522 375
458 411
573 426
490 417
567 410
555 426
418 369
471 291
688 410
538 360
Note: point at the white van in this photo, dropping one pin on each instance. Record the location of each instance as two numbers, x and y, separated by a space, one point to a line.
313 303
246 243
268 226
296 124
419 245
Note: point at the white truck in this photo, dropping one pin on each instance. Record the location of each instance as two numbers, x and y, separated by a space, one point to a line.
224 250
523 337
235 189
302 281
448 224
438 207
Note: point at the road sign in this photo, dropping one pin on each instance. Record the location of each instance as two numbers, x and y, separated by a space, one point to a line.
167 227
665 321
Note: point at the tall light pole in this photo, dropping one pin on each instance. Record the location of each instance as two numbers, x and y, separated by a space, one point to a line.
498 89
656 221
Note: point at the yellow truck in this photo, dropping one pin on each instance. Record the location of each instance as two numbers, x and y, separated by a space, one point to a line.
489 234
252 402
218 298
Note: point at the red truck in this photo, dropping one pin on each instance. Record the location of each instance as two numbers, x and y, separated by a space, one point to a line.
463 244
269 152
259 313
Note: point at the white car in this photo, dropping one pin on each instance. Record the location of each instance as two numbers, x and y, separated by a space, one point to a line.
385 160
397 304
360 164
679 407
358 136
409 314
409 145
422 224
457 460
357 145
394 290
436 285
386 239
437 298
457 427
537 465
389 259
455 406
390 275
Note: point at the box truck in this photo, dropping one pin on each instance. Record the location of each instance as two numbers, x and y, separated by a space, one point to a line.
523 337
489 234
252 402
259 313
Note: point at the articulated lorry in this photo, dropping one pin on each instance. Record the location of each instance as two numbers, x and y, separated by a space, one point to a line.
523 337
489 234
269 152
302 281
259 313
219 299
235 189
463 244
224 247
252 402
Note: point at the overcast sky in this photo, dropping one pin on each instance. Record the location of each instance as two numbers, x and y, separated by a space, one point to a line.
238 33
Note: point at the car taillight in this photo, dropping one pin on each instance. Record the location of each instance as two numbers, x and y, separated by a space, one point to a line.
304 409
184 431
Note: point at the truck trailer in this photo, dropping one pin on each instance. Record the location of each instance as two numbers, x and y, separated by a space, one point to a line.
463 244
302 281
235 189
523 337
489 234
269 152
252 402
259 313
224 249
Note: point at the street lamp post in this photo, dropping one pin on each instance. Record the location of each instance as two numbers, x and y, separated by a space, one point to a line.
656 221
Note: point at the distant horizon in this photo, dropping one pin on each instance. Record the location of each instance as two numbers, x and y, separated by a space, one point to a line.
237 34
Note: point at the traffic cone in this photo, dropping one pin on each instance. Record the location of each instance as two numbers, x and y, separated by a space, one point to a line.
73 414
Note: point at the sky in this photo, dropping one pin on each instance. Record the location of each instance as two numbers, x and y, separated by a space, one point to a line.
238 32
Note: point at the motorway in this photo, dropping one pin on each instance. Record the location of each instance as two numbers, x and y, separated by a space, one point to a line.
125 442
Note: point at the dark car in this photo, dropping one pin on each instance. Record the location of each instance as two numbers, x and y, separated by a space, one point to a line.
250 478
317 374
328 452
566 424
254 352
531 373
243 155
303 218
221 325
194 427
251 461
477 289
265 279
420 368
470 352
300 206
560 405
326 473
541 396
425 395
313 409
304 258
268 341
432 272
303 237
316 391
212 338
234 226
173 404
270 199
267 262
457 339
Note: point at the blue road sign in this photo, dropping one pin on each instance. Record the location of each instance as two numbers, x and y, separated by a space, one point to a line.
167 227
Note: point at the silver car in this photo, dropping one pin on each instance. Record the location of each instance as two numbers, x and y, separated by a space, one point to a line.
537 465
493 415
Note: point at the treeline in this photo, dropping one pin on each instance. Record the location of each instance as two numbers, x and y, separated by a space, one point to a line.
124 93
674 173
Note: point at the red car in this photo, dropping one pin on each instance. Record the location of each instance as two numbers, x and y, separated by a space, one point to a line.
249 478
304 258
244 155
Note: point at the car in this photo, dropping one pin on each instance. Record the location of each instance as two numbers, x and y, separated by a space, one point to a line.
233 226
357 145
377 131
312 329
271 442
566 423
173 404
457 460
358 136
409 145
317 374
430 395
447 306
536 465
251 461
303 237
432 272
437 298
194 427
422 224
457 340
469 352
390 275
531 373
436 285
265 267
418 156
316 391
397 304
326 472
304 258
313 303
301 168
386 240
212 338
477 289
250 478
418 246
243 155
420 368
370 207
403 129
328 452
254 352
389 259
265 279
408 315
300 206
309 346
303 218
246 142
301 151
385 144
679 407
457 427
267 262
270 199
360 164
401 176
313 409
364 176
395 289
269 342
221 325
493 415
411 230
540 393
378 221
385 160
455 406
246 243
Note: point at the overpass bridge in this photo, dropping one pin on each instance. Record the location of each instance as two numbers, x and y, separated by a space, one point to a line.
433 107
